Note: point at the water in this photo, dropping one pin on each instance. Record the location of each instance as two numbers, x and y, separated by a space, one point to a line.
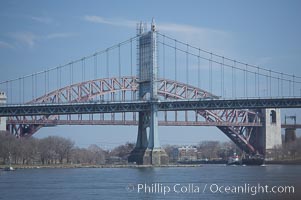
122 183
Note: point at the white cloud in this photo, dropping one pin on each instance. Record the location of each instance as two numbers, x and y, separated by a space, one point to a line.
206 38
44 20
26 38
59 35
29 39
213 40
168 27
110 21
188 30
5 45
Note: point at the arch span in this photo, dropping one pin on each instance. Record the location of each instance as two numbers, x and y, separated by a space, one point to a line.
125 89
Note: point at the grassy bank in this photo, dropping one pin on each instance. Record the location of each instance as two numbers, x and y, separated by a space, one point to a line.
284 162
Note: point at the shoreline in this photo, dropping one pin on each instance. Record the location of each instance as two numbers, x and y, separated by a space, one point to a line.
72 166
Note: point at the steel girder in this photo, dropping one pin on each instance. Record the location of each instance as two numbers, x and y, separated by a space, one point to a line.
136 106
127 88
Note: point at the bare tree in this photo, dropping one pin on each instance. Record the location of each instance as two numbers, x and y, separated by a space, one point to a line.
172 152
123 151
98 154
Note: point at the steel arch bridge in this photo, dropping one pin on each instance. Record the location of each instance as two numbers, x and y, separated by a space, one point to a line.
237 124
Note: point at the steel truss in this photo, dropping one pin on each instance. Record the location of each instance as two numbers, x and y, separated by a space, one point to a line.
118 94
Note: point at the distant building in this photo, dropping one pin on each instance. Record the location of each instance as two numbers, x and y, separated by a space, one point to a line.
116 160
187 153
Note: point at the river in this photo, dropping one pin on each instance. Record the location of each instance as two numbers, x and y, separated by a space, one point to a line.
204 182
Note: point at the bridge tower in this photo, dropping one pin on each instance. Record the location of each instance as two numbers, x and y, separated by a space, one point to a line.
2 119
268 138
148 150
272 131
290 133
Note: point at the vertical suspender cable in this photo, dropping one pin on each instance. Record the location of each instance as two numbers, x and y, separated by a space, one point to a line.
107 63
70 74
71 65
234 80
258 81
290 85
232 67
119 68
7 93
244 70
119 62
187 75
32 89
223 78
83 69
270 82
281 84
255 88
20 91
293 84
247 80
131 57
278 86
176 113
60 76
45 82
7 89
95 66
48 80
267 85
175 60
107 68
199 70
36 85
210 73
11 91
23 88
164 56
57 77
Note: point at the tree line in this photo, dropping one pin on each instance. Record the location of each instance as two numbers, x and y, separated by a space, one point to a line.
59 150
56 150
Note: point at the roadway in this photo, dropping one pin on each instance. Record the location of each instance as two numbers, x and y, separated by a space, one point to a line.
138 106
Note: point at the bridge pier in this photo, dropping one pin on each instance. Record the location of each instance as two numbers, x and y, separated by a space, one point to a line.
272 130
2 119
137 155
148 150
290 135
268 138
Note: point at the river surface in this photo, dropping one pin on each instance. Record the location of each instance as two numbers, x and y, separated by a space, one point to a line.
205 182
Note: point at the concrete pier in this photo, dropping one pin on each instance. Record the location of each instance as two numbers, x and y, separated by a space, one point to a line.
290 135
2 119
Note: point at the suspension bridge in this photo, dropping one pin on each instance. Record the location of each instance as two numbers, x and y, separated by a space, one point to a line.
173 84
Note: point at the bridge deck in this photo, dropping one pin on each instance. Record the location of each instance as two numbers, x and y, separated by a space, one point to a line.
135 123
127 122
137 106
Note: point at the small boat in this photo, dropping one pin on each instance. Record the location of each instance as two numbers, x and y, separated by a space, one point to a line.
253 160
234 160
10 168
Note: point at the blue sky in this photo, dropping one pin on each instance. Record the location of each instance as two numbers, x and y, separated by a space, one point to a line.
36 35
